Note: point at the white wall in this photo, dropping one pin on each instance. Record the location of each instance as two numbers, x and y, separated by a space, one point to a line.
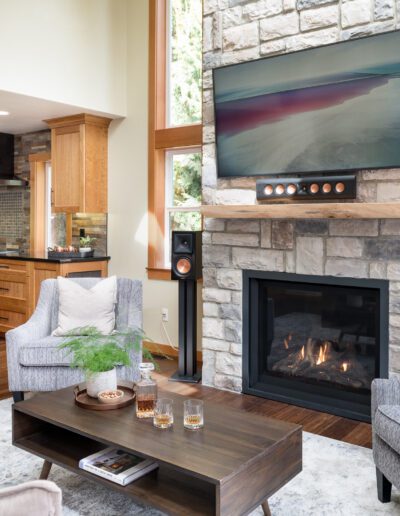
127 227
94 54
70 51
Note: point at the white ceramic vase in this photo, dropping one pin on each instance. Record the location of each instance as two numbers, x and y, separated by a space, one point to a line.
97 382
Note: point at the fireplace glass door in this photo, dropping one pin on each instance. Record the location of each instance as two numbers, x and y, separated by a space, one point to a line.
319 344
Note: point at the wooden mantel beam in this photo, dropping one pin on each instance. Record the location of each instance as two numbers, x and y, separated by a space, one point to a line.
376 210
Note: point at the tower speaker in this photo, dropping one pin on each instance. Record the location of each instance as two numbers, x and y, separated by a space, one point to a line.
186 267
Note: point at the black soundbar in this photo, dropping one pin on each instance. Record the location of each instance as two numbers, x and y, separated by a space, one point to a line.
307 188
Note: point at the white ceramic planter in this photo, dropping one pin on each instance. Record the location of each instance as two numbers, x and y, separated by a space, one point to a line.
85 249
97 382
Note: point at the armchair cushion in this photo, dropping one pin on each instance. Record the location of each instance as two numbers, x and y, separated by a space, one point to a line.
387 425
44 352
81 307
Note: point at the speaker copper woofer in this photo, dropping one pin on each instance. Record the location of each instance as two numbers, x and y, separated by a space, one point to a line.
327 188
183 265
280 189
314 188
339 187
268 190
291 189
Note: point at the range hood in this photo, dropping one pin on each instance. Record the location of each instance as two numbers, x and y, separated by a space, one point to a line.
7 177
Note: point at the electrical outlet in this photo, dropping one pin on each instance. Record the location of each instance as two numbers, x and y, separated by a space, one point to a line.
164 314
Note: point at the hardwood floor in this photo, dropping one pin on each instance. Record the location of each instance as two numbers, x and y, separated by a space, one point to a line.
312 421
342 429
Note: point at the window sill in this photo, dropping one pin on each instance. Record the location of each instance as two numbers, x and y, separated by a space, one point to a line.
159 274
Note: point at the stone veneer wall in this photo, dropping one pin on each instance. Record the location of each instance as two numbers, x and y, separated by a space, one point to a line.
241 30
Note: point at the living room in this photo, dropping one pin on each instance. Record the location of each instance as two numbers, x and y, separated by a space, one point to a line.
209 192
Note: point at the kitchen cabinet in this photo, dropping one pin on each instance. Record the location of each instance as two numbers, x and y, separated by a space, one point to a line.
79 163
20 281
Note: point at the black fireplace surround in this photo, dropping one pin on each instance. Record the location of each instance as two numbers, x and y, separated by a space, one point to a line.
315 341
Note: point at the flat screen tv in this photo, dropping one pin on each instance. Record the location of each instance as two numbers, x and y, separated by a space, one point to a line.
326 109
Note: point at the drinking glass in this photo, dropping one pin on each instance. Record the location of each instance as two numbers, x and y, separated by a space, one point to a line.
163 413
193 414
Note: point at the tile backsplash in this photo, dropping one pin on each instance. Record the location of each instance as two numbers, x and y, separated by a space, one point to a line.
12 218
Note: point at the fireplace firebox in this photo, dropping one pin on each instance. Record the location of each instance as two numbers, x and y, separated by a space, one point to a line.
314 341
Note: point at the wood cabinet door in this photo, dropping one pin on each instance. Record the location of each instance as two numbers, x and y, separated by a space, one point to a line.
67 169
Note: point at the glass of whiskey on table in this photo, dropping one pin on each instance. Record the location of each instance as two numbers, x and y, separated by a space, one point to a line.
163 413
193 414
146 392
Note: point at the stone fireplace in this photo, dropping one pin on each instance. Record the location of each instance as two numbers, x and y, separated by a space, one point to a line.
313 340
348 249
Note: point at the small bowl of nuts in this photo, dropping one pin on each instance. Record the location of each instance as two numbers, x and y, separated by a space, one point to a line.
110 396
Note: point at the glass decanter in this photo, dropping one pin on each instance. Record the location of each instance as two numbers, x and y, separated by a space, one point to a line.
146 392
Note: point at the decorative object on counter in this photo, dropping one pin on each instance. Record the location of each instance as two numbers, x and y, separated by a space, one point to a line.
86 244
146 391
68 252
193 414
97 355
83 400
163 413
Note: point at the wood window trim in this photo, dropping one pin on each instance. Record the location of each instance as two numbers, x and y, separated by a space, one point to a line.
161 138
38 208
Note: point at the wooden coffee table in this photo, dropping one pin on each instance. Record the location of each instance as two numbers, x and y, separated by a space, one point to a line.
230 467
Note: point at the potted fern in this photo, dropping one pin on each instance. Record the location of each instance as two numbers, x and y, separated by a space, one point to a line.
97 355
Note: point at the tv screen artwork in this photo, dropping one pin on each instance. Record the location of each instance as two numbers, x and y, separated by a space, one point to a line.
333 108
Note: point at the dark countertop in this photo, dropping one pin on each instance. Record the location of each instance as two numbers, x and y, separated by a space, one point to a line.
43 258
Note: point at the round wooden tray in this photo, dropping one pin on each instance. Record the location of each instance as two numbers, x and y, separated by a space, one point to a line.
84 401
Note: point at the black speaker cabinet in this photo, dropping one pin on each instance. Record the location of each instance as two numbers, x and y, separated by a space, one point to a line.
186 255
186 268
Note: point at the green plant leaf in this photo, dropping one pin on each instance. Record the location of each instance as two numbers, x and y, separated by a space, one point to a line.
94 352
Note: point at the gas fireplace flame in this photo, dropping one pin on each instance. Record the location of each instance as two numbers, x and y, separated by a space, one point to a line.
345 367
287 340
302 353
322 355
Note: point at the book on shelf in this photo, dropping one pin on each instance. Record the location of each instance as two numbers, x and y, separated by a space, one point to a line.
117 465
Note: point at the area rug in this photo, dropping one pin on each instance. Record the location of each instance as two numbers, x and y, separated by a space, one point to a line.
338 479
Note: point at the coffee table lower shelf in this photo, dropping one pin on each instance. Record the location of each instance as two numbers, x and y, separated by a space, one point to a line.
166 488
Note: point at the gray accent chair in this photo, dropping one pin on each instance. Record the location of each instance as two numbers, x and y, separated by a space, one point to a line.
33 359
386 435
36 498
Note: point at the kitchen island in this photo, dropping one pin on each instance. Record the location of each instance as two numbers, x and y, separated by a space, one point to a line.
21 276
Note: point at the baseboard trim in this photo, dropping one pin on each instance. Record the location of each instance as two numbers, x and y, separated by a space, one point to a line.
166 350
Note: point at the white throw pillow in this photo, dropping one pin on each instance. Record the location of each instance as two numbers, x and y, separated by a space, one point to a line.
80 307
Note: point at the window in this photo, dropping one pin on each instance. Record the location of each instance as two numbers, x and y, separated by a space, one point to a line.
175 131
182 193
184 62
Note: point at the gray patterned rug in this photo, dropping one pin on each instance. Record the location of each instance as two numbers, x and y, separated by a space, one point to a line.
338 479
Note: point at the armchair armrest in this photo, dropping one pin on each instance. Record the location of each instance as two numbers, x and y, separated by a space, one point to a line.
384 392
37 327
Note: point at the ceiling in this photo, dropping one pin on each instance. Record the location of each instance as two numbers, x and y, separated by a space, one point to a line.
27 113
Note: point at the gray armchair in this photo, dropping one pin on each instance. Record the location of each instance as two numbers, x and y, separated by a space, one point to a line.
386 435
36 498
34 361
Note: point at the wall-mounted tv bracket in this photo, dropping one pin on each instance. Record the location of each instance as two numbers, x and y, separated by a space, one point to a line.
307 188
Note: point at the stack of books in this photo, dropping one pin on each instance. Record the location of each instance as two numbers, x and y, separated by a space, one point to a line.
117 465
